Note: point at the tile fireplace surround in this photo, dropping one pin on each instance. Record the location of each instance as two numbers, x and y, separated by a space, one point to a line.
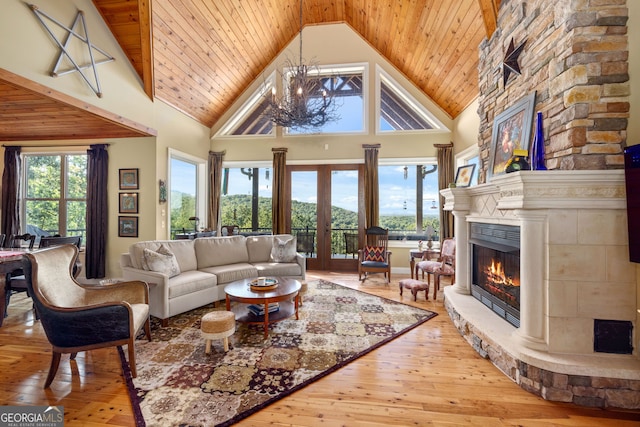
574 268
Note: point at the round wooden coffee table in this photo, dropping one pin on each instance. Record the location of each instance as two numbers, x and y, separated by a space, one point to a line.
286 294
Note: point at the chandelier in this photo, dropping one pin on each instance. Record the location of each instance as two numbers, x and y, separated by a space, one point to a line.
308 99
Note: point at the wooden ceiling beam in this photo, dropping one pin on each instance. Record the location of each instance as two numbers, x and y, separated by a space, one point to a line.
490 10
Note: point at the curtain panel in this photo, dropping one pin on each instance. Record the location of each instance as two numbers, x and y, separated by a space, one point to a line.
371 186
278 201
97 214
11 191
215 187
445 177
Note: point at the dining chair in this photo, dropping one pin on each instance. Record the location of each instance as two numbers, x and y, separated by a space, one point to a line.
15 280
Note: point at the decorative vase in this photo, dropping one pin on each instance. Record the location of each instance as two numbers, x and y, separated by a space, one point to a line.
537 149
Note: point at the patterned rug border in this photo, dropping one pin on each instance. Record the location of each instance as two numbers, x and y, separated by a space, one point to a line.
135 401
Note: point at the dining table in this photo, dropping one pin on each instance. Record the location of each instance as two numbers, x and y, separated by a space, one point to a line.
10 260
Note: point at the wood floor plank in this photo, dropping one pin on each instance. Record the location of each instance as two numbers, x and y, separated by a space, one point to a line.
428 376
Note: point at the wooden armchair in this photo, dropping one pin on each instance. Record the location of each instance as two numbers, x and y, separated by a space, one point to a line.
79 317
375 257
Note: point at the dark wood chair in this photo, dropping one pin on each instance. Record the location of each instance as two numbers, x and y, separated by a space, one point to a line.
306 242
351 244
15 280
79 317
375 257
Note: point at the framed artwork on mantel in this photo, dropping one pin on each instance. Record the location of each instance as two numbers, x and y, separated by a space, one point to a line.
511 131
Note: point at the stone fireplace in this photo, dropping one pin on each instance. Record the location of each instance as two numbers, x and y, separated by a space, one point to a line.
574 271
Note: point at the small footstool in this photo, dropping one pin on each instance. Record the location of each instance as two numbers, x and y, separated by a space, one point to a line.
415 286
216 325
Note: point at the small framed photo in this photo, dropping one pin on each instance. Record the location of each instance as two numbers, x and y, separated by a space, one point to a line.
464 175
511 131
127 226
129 203
129 179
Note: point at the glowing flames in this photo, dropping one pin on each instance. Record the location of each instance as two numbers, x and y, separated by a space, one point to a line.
497 276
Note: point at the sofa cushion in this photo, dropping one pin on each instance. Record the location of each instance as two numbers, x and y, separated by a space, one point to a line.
232 272
184 251
162 261
259 248
189 282
283 249
278 269
217 251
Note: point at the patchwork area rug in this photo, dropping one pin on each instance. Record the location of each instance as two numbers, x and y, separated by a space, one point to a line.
178 384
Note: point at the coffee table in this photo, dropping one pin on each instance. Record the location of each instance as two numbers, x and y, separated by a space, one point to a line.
286 294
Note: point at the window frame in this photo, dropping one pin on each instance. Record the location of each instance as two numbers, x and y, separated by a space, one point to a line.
202 191
407 242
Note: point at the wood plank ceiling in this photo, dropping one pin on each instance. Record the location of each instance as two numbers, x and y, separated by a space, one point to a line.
199 55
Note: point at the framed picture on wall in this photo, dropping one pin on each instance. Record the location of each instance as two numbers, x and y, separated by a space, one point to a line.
129 179
464 175
127 226
511 131
128 203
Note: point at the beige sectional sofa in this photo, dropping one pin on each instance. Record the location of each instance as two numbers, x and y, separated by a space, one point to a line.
186 274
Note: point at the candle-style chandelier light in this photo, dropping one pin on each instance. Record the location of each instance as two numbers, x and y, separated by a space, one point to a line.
308 99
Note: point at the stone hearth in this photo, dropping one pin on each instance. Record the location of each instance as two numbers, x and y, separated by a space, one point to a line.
574 269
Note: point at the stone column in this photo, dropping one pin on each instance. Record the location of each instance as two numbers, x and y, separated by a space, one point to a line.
533 290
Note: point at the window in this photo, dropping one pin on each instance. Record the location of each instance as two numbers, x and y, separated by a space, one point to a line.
409 200
347 86
246 199
398 111
55 194
187 190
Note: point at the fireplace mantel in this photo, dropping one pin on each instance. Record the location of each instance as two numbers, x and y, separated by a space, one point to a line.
574 269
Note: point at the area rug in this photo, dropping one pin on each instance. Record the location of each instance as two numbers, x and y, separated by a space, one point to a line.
179 385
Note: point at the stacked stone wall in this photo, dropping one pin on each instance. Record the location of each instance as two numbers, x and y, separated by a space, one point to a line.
576 60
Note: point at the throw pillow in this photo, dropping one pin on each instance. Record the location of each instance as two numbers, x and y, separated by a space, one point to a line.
162 261
283 249
374 253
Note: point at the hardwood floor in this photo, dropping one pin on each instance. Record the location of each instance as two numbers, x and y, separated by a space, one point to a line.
428 376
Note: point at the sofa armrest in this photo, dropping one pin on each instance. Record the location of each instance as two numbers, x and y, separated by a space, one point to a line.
301 260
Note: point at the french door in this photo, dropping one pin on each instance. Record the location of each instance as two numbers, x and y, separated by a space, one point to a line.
326 212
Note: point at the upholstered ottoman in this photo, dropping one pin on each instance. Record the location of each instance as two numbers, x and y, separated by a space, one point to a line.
216 325
415 286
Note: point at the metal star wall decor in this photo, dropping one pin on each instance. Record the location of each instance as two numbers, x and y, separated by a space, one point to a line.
71 33
510 62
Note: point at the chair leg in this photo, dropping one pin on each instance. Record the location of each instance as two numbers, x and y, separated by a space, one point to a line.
73 356
53 368
436 285
147 328
132 357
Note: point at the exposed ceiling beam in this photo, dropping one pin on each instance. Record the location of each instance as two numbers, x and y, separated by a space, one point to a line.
489 10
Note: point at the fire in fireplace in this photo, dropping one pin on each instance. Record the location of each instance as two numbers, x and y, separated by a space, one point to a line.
495 267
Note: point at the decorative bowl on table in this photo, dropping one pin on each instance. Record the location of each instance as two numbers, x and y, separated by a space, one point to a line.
263 284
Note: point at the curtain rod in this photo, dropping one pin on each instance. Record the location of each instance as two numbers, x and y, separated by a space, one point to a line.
53 146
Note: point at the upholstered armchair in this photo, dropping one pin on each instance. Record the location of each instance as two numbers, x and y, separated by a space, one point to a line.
445 265
79 317
375 257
